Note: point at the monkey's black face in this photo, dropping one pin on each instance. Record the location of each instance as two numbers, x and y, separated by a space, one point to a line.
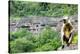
64 21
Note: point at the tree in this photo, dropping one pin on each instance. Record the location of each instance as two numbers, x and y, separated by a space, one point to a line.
21 9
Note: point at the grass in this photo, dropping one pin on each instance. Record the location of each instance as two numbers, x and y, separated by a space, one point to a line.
75 38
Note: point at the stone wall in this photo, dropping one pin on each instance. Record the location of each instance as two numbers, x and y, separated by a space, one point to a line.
54 23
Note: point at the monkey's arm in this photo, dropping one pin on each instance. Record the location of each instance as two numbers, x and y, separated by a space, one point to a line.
62 34
72 34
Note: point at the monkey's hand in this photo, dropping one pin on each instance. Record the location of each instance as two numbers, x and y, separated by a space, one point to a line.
71 36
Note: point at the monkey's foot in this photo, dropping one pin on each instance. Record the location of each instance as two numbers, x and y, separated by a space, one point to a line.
62 46
68 44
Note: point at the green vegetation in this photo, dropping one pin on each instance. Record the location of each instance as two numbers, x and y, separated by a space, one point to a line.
23 9
75 38
26 42
19 34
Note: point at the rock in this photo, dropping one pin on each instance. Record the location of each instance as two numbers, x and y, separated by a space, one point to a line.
71 47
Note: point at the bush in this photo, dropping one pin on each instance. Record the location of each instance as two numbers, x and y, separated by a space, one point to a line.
19 34
21 45
22 8
47 40
75 38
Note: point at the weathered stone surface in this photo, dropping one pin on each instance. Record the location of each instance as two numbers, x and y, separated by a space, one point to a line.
71 47
35 20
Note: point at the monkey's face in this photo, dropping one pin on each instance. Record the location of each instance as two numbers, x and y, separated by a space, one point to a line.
65 21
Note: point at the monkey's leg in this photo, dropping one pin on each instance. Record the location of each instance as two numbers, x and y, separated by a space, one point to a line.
63 40
70 39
